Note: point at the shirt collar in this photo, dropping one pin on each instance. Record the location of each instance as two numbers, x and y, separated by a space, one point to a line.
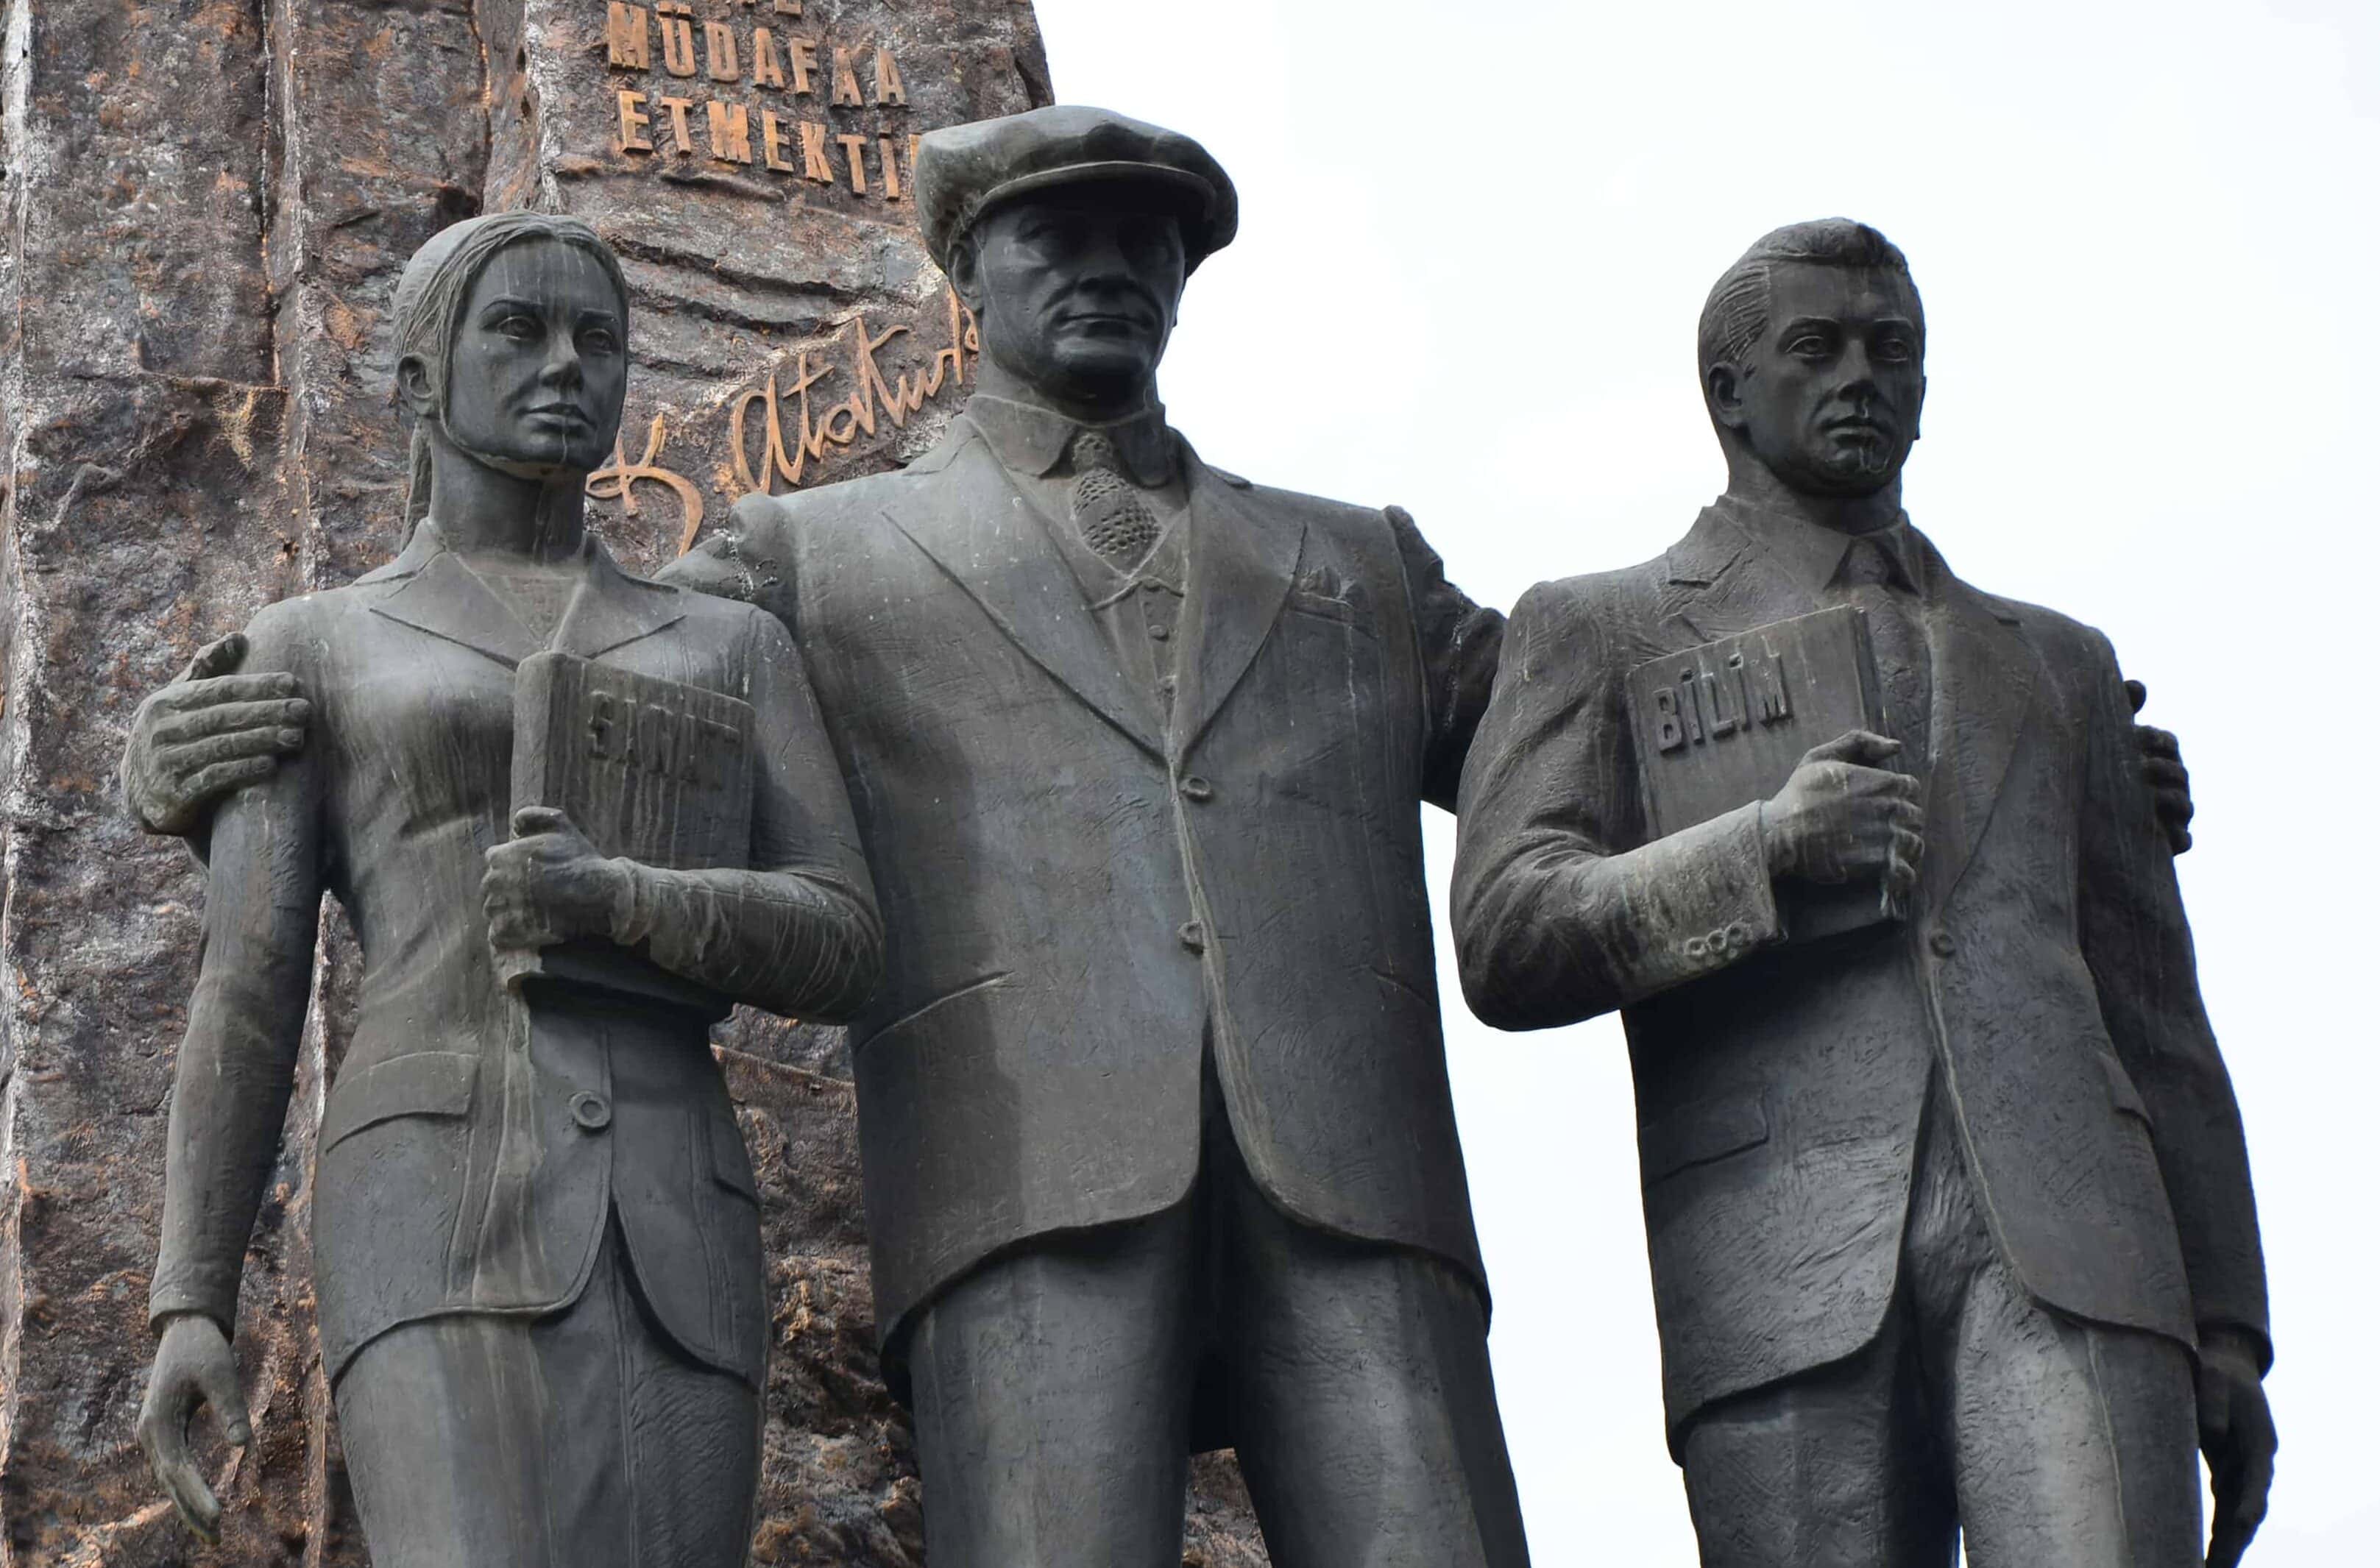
1811 553
1032 440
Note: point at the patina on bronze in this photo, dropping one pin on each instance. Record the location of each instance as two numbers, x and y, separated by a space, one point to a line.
1949 1215
536 1247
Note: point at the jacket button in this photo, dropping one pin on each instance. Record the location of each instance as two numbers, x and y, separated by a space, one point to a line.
1941 943
1198 789
591 1111
1193 935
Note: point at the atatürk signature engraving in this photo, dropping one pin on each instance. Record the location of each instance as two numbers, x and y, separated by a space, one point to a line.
787 454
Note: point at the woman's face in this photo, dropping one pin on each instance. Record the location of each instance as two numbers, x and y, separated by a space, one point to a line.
539 365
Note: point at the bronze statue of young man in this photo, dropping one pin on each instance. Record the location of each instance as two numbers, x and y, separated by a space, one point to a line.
1949 1215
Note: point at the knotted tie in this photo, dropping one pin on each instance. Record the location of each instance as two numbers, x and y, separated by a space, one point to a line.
1108 510
1901 658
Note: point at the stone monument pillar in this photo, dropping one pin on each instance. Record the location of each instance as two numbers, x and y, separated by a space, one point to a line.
204 209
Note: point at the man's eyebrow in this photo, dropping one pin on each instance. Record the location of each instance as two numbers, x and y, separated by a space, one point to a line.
1799 322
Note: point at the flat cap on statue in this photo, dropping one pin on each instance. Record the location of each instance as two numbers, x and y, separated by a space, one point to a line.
965 171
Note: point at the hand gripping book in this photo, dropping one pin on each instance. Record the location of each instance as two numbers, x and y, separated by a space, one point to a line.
1723 724
651 769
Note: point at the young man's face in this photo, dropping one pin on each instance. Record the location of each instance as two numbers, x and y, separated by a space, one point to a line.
1076 291
1830 394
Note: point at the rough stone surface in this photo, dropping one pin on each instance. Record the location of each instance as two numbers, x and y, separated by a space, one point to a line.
203 207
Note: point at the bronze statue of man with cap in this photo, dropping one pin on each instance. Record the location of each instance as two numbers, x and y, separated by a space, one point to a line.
1158 1144
1159 1152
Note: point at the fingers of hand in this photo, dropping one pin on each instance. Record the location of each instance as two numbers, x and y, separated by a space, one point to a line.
177 765
165 1437
198 695
508 892
512 927
219 657
210 782
219 1382
2137 692
532 820
1880 783
269 715
1853 746
193 1498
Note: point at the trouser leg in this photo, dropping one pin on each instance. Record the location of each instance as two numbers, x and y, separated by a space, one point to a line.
2075 1446
443 1423
2072 1445
1361 1400
654 1453
583 1440
1835 1468
1052 1396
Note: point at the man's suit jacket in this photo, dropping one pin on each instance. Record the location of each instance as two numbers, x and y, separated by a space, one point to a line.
470 1150
1078 892
2044 972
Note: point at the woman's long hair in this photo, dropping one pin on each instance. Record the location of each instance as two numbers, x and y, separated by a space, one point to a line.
430 300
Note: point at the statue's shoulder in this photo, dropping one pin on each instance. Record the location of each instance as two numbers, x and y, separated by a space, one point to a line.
289 634
859 503
2064 642
1364 530
1614 596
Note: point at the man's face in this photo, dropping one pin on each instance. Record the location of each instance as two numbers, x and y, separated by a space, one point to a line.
1076 291
1830 395
539 365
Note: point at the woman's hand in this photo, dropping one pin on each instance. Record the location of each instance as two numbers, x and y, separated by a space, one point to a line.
194 1368
548 884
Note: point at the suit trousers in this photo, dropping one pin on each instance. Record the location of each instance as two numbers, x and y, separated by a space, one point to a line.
1054 1391
2042 1440
581 1440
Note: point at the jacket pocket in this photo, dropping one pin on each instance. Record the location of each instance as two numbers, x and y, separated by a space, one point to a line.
425 1083
1700 1133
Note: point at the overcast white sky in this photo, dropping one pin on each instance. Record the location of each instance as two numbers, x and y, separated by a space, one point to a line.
1474 239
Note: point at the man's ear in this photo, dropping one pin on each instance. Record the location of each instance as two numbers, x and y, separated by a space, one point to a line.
413 388
965 273
1723 390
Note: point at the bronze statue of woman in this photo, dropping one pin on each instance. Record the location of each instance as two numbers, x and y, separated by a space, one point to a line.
536 1232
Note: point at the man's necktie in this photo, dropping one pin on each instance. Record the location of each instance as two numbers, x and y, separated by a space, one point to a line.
1902 660
1113 518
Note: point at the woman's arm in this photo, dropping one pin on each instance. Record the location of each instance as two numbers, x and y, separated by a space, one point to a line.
238 1055
797 933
